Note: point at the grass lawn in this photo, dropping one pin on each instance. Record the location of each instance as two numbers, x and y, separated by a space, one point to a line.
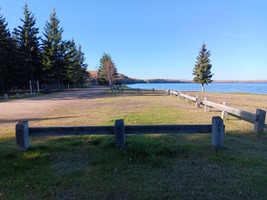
160 166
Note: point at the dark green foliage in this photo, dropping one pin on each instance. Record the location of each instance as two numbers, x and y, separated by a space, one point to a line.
7 46
202 68
76 68
25 57
54 50
29 54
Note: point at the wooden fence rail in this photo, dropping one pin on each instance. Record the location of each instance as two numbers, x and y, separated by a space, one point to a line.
131 89
186 96
23 132
258 118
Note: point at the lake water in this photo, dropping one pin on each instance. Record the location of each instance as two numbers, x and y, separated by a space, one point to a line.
254 88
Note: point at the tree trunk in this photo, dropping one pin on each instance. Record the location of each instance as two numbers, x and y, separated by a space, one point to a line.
203 87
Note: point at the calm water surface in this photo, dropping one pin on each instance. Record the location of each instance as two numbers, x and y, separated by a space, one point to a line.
253 88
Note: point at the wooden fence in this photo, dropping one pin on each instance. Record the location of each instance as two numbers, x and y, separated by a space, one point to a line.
23 132
131 89
258 118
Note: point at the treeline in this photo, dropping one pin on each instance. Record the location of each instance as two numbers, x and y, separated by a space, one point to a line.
25 56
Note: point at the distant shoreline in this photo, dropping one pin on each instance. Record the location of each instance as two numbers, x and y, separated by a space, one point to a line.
188 81
123 79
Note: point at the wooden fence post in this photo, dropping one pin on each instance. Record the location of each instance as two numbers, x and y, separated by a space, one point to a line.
5 96
17 95
260 121
22 135
224 113
198 102
217 131
119 133
207 108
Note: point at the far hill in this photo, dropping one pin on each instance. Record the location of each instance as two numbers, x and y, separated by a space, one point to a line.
123 79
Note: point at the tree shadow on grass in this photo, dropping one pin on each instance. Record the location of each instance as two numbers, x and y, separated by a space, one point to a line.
158 164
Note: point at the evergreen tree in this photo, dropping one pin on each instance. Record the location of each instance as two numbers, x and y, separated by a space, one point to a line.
82 74
54 51
107 70
71 63
29 55
6 53
202 68
76 69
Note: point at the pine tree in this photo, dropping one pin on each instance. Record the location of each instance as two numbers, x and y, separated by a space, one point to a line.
29 48
54 50
5 56
202 68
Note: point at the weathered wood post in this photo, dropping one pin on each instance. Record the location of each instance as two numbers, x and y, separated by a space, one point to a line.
198 102
5 96
207 108
119 133
153 90
217 131
224 113
17 95
260 121
22 135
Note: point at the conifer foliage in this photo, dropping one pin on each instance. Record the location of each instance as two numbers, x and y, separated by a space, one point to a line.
29 54
25 56
202 70
6 54
54 51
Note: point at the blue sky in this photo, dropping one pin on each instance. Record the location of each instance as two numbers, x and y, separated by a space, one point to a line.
160 38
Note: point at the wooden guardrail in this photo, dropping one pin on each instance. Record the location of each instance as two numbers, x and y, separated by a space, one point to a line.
131 89
186 96
24 132
258 118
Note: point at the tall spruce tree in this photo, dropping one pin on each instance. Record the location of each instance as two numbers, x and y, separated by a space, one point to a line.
82 74
29 54
71 63
6 53
54 50
202 68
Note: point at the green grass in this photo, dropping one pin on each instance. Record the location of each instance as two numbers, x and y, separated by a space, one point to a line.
160 166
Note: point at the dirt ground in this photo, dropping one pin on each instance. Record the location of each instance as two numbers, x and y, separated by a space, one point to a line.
35 107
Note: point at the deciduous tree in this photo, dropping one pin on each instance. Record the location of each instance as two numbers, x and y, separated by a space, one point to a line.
107 70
